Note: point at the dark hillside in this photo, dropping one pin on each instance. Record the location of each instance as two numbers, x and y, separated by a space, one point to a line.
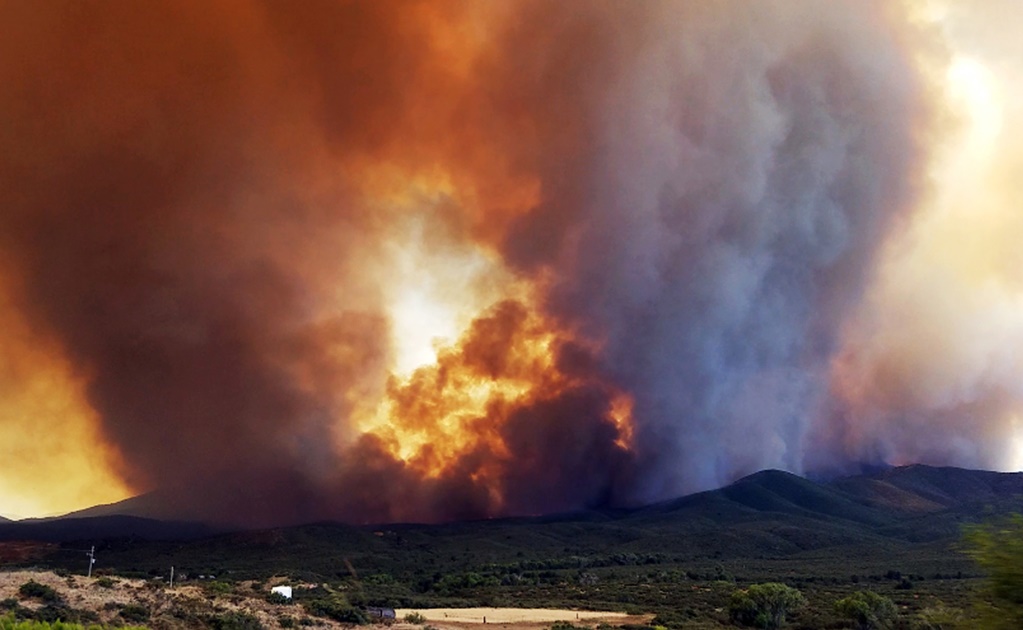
886 496
920 488
915 512
150 505
955 486
100 528
777 491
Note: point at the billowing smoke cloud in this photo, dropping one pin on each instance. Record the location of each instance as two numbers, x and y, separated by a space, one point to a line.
643 232
930 364
741 171
184 229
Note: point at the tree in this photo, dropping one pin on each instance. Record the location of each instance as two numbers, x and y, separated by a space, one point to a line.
868 610
764 605
998 549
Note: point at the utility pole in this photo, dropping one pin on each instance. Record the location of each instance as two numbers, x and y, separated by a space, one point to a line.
172 578
92 559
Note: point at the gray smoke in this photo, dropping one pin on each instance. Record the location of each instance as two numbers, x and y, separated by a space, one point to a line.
741 172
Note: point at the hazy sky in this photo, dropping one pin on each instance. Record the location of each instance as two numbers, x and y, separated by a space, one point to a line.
433 260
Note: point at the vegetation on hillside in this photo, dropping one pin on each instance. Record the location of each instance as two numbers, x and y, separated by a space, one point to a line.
764 605
9 622
868 610
682 561
998 548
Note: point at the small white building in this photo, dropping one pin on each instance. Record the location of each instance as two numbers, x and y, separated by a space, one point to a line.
282 590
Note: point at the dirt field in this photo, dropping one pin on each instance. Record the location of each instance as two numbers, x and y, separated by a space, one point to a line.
87 594
519 617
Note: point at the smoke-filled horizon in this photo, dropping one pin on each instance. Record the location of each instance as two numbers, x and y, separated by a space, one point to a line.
381 261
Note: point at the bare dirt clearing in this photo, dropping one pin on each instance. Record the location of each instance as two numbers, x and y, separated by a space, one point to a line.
520 617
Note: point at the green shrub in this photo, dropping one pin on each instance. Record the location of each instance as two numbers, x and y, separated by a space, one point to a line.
105 582
415 617
336 609
86 617
35 590
8 622
764 605
52 614
217 587
134 613
868 610
234 620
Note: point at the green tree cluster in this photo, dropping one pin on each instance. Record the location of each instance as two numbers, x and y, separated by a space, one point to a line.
868 610
764 605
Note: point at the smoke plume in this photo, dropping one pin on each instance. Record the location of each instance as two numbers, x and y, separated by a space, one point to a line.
379 261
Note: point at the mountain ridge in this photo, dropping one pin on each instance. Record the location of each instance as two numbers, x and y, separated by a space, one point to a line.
859 503
769 516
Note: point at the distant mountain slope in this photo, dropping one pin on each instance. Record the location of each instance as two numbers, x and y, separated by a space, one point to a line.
778 512
151 505
918 488
955 486
769 492
102 527
770 512
777 491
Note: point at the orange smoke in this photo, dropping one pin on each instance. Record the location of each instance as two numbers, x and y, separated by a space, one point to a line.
271 241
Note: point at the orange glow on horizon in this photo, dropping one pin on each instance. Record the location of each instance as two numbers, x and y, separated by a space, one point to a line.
53 459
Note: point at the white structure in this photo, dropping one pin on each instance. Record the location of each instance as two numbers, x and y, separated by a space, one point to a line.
283 590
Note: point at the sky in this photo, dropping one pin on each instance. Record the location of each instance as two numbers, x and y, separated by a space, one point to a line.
429 261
